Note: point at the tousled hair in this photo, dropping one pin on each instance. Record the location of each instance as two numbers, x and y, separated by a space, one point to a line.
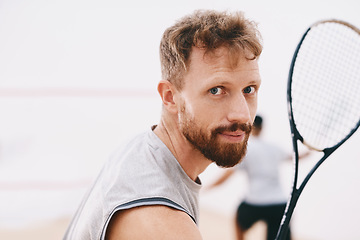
208 30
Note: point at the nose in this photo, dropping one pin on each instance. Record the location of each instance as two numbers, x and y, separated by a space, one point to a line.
239 110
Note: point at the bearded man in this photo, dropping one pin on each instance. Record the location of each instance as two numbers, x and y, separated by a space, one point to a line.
210 81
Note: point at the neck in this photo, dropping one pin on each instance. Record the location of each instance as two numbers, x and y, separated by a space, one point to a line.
190 159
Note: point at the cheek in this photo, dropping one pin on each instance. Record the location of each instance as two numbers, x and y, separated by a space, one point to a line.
197 113
190 106
185 111
253 108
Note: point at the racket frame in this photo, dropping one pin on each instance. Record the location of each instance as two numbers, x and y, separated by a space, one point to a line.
296 137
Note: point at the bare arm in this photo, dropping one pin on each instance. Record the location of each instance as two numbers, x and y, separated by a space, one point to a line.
152 222
301 155
225 176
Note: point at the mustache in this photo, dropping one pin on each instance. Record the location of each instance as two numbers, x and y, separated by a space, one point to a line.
246 127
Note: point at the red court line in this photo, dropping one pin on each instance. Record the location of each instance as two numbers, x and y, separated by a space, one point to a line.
44 185
75 92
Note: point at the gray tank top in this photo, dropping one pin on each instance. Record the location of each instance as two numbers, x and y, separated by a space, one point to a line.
145 172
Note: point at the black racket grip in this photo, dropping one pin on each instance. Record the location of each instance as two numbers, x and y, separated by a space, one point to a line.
284 226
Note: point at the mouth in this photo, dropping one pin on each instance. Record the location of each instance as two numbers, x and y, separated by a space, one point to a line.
235 133
234 137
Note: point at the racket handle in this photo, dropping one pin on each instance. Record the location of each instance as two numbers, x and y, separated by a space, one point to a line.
284 226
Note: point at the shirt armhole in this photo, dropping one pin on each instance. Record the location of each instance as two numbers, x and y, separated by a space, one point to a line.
144 202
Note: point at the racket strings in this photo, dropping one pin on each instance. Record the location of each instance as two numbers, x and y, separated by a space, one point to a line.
325 87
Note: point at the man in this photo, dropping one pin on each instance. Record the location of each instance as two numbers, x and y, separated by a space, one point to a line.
149 189
265 200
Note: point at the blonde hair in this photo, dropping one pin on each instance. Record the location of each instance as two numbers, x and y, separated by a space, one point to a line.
209 30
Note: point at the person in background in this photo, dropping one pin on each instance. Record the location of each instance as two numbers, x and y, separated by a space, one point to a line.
265 199
210 80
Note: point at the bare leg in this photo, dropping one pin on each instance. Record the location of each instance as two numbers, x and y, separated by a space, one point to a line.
239 232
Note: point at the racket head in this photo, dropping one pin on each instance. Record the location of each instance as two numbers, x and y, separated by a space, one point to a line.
324 85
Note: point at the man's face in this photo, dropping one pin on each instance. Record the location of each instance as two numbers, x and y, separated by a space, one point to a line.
218 105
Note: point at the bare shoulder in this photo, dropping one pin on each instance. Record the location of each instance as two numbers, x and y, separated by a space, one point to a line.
152 222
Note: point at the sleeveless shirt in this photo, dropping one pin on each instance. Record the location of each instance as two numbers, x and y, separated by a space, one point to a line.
143 173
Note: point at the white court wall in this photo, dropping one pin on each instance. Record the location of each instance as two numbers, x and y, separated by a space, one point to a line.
77 78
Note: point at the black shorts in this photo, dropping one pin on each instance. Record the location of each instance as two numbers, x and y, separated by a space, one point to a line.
248 214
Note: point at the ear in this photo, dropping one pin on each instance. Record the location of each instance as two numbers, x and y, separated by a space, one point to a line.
167 93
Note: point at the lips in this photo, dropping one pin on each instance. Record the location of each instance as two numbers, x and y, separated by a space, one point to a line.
237 133
233 136
234 129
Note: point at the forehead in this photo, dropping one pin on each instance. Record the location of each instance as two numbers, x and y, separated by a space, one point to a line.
221 64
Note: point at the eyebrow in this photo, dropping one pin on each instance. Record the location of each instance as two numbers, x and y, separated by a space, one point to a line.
257 81
219 81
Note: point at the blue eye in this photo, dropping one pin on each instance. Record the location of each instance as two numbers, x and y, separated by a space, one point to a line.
214 91
217 91
249 89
